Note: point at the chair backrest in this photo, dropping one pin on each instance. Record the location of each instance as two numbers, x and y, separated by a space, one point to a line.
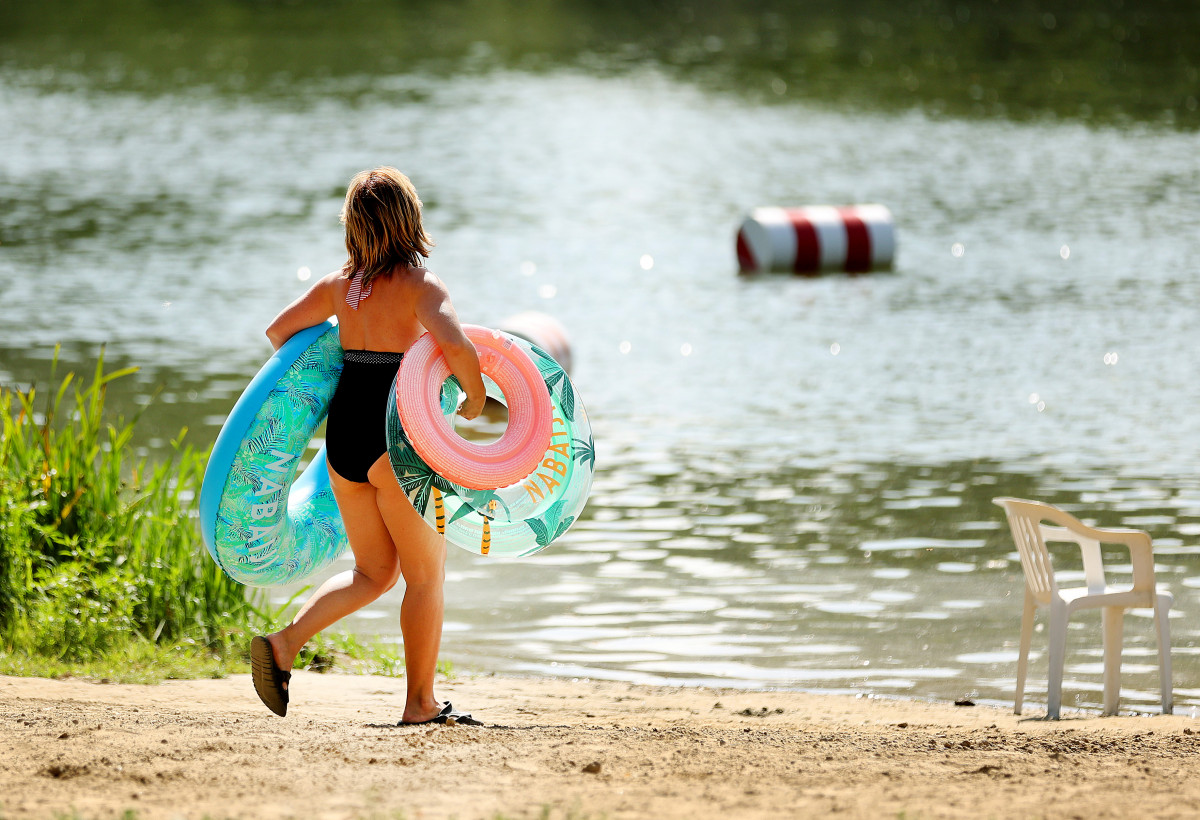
1025 521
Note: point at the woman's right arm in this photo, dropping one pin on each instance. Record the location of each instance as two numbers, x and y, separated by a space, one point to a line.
436 313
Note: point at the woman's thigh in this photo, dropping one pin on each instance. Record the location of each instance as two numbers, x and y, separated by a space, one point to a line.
370 539
422 551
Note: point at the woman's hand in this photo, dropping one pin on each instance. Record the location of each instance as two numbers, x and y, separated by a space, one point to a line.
472 407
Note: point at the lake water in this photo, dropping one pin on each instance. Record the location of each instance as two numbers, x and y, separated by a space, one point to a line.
794 474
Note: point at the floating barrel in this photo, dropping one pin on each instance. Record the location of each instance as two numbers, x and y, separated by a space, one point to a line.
542 330
853 238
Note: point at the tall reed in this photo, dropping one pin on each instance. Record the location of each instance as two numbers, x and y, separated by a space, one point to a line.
99 547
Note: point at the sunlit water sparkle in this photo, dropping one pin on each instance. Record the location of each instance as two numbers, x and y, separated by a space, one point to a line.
794 474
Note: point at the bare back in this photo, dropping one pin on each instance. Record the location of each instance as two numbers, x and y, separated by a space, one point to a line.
401 306
387 319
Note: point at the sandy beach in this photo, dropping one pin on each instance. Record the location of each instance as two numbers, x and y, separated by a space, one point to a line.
570 749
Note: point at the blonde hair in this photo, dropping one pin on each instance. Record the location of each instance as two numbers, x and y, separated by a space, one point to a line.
382 215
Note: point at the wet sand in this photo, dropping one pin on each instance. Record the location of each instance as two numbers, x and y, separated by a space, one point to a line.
577 749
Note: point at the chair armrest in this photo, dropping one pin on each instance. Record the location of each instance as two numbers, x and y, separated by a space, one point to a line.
1089 539
1105 535
1141 553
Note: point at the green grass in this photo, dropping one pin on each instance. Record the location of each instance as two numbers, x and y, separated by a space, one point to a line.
103 574
101 565
137 661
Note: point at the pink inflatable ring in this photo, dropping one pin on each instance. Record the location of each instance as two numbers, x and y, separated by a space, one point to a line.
509 459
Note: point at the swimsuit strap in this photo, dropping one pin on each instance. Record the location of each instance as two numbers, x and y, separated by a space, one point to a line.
356 293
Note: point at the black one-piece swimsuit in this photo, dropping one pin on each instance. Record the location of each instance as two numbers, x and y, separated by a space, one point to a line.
356 431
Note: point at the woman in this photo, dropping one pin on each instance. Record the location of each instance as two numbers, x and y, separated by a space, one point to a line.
384 300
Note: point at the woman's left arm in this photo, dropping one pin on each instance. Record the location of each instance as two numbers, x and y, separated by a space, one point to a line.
314 307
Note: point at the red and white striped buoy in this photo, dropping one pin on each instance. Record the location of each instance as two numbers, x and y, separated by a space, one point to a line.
542 330
852 238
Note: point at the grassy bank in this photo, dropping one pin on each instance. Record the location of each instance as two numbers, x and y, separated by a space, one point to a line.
101 568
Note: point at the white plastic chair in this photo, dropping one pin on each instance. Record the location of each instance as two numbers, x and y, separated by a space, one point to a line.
1027 519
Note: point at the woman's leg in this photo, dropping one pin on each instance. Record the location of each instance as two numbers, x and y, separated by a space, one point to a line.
422 554
376 569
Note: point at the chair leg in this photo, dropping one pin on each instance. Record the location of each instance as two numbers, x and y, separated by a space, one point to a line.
1027 618
1113 621
1057 658
1162 625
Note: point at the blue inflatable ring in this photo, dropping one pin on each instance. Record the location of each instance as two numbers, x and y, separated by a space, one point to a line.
262 524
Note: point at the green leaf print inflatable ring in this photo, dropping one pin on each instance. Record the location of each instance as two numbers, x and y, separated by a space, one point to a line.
261 524
539 504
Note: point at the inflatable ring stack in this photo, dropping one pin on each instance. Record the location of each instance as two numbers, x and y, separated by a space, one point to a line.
261 524
513 497
266 526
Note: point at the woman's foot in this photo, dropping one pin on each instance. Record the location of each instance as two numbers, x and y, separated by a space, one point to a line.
270 681
284 656
422 712
446 714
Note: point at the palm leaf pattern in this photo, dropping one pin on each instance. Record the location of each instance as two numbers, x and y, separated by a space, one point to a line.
416 478
462 511
556 378
480 499
540 532
307 536
585 451
549 526
451 390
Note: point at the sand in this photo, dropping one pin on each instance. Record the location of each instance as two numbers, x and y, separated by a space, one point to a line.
570 749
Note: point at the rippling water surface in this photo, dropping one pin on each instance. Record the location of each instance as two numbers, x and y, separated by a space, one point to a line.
795 474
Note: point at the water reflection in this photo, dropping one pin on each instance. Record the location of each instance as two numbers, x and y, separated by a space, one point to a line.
1098 61
685 592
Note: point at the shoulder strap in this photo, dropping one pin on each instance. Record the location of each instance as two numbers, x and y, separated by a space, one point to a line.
357 293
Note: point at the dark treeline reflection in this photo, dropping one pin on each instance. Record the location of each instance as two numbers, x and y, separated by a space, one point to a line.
1095 60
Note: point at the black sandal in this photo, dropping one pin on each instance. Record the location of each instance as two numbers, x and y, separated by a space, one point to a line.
448 716
269 679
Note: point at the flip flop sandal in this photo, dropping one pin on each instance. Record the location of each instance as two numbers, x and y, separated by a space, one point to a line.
269 679
449 716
